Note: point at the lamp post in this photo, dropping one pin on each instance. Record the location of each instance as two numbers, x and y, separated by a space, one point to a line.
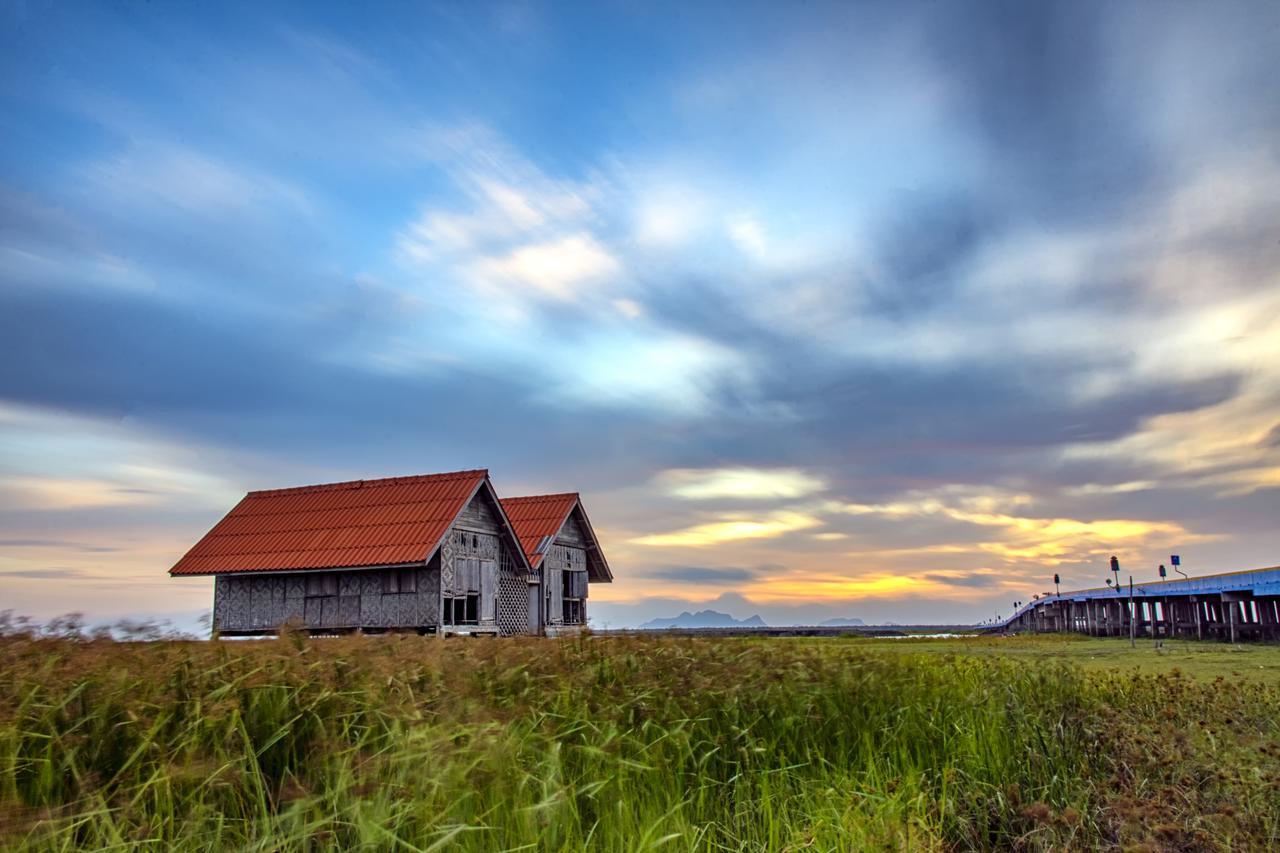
1133 637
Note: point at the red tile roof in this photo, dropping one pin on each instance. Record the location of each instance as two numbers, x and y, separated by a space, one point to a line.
361 523
536 517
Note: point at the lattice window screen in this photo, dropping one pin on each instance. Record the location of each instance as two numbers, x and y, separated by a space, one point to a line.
513 597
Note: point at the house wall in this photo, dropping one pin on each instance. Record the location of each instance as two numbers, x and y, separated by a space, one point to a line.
559 560
567 554
475 557
571 533
261 603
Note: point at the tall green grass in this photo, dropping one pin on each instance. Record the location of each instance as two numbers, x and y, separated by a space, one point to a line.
617 744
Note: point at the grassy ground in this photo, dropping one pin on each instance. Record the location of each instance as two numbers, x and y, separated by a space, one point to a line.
637 743
1201 660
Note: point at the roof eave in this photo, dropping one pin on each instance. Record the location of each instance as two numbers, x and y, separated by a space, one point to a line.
607 576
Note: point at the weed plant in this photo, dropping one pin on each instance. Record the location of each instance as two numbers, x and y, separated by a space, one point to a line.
619 744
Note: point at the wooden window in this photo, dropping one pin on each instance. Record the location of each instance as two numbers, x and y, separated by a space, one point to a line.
400 581
573 589
319 585
573 612
574 583
554 607
462 610
466 576
488 590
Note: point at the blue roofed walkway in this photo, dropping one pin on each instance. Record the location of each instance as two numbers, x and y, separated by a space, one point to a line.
1231 606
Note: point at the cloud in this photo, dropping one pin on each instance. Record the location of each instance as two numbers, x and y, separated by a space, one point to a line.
62 463
645 369
55 573
1024 536
706 574
965 579
500 201
669 216
555 269
769 526
748 236
831 586
746 483
66 493
55 543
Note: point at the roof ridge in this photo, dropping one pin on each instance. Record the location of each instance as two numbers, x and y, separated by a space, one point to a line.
360 484
542 497
362 526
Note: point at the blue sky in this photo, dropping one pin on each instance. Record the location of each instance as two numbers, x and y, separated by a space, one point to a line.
878 310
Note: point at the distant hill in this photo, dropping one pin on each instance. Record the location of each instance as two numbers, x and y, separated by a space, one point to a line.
704 619
842 622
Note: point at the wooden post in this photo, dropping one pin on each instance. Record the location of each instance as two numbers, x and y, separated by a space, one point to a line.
1133 626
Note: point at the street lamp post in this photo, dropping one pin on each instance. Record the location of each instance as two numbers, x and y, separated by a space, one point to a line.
1133 637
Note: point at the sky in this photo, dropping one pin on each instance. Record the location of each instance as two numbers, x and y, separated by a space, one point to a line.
888 311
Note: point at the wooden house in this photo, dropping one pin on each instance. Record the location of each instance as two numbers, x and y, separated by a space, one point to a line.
433 554
562 549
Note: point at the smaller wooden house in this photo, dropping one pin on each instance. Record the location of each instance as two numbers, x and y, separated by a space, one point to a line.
562 549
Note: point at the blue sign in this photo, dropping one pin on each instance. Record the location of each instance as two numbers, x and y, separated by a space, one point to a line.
1175 559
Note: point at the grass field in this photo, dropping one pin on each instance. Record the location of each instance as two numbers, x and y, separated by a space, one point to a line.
639 743
1200 660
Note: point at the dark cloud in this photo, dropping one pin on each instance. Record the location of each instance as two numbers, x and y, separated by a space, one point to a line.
983 422
966 579
55 543
922 251
1043 88
55 573
260 382
706 574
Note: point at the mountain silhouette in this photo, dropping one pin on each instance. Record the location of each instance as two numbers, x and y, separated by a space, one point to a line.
704 619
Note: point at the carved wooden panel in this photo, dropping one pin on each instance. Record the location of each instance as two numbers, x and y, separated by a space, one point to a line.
352 599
